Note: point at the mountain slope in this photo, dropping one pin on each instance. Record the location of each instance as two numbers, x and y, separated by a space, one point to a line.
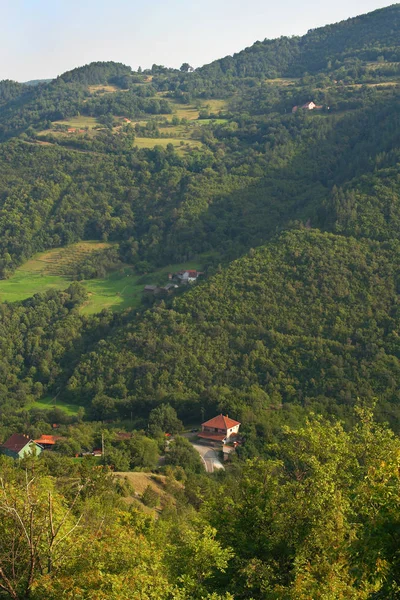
311 318
307 319
365 37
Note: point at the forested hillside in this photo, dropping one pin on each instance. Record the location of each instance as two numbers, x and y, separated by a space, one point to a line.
273 177
258 169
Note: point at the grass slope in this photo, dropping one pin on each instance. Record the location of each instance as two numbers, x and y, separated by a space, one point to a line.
53 269
49 403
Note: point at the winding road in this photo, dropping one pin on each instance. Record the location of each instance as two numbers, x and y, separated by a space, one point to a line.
210 457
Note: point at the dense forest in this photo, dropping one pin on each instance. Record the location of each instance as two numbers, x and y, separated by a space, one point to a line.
276 173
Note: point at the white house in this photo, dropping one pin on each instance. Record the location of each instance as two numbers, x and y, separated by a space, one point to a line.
219 429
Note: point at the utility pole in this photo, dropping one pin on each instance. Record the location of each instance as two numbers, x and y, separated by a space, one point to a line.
102 445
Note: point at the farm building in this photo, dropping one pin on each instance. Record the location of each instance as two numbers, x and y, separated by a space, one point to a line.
20 445
47 442
219 429
151 289
307 106
188 276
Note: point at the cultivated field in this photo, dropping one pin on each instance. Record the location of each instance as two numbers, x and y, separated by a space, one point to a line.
118 290
79 122
62 261
53 269
101 89
181 144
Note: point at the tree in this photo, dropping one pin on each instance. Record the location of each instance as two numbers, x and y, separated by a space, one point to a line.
181 452
164 419
143 452
186 68
38 532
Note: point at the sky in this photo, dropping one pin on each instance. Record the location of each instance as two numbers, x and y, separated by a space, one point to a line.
44 38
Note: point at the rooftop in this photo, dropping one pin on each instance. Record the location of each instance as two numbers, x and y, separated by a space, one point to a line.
16 442
47 439
221 422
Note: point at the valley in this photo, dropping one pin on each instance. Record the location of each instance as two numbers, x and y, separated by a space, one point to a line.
200 324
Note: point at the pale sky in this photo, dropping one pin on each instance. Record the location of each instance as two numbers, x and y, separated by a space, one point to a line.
43 38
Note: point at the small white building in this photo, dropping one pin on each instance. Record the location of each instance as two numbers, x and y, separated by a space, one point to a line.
309 106
188 276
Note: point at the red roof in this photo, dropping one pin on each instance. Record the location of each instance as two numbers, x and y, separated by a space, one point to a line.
218 437
221 422
16 442
190 272
48 439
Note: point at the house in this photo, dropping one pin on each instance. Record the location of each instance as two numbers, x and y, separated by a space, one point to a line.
309 106
20 445
125 120
151 289
47 442
188 276
220 429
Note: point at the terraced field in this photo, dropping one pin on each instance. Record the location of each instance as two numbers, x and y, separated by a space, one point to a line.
53 269
62 261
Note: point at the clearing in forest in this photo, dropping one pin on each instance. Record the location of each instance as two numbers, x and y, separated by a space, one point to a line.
54 269
117 290
49 403
180 144
80 122
101 89
62 261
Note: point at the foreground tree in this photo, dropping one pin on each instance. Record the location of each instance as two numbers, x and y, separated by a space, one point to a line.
38 532
318 518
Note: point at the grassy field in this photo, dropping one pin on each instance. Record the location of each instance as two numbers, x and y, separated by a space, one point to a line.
183 111
79 122
52 269
212 121
215 105
62 261
103 89
48 402
284 81
181 144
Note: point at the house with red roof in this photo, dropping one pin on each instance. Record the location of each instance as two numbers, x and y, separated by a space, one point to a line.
220 429
188 276
20 445
47 441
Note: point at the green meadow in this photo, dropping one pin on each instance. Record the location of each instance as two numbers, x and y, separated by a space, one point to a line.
181 144
118 290
79 122
49 402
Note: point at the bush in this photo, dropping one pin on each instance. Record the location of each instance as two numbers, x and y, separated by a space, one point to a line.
150 497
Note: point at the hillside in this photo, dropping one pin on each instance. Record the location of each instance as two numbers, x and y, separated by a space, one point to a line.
272 179
213 168
241 342
363 38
